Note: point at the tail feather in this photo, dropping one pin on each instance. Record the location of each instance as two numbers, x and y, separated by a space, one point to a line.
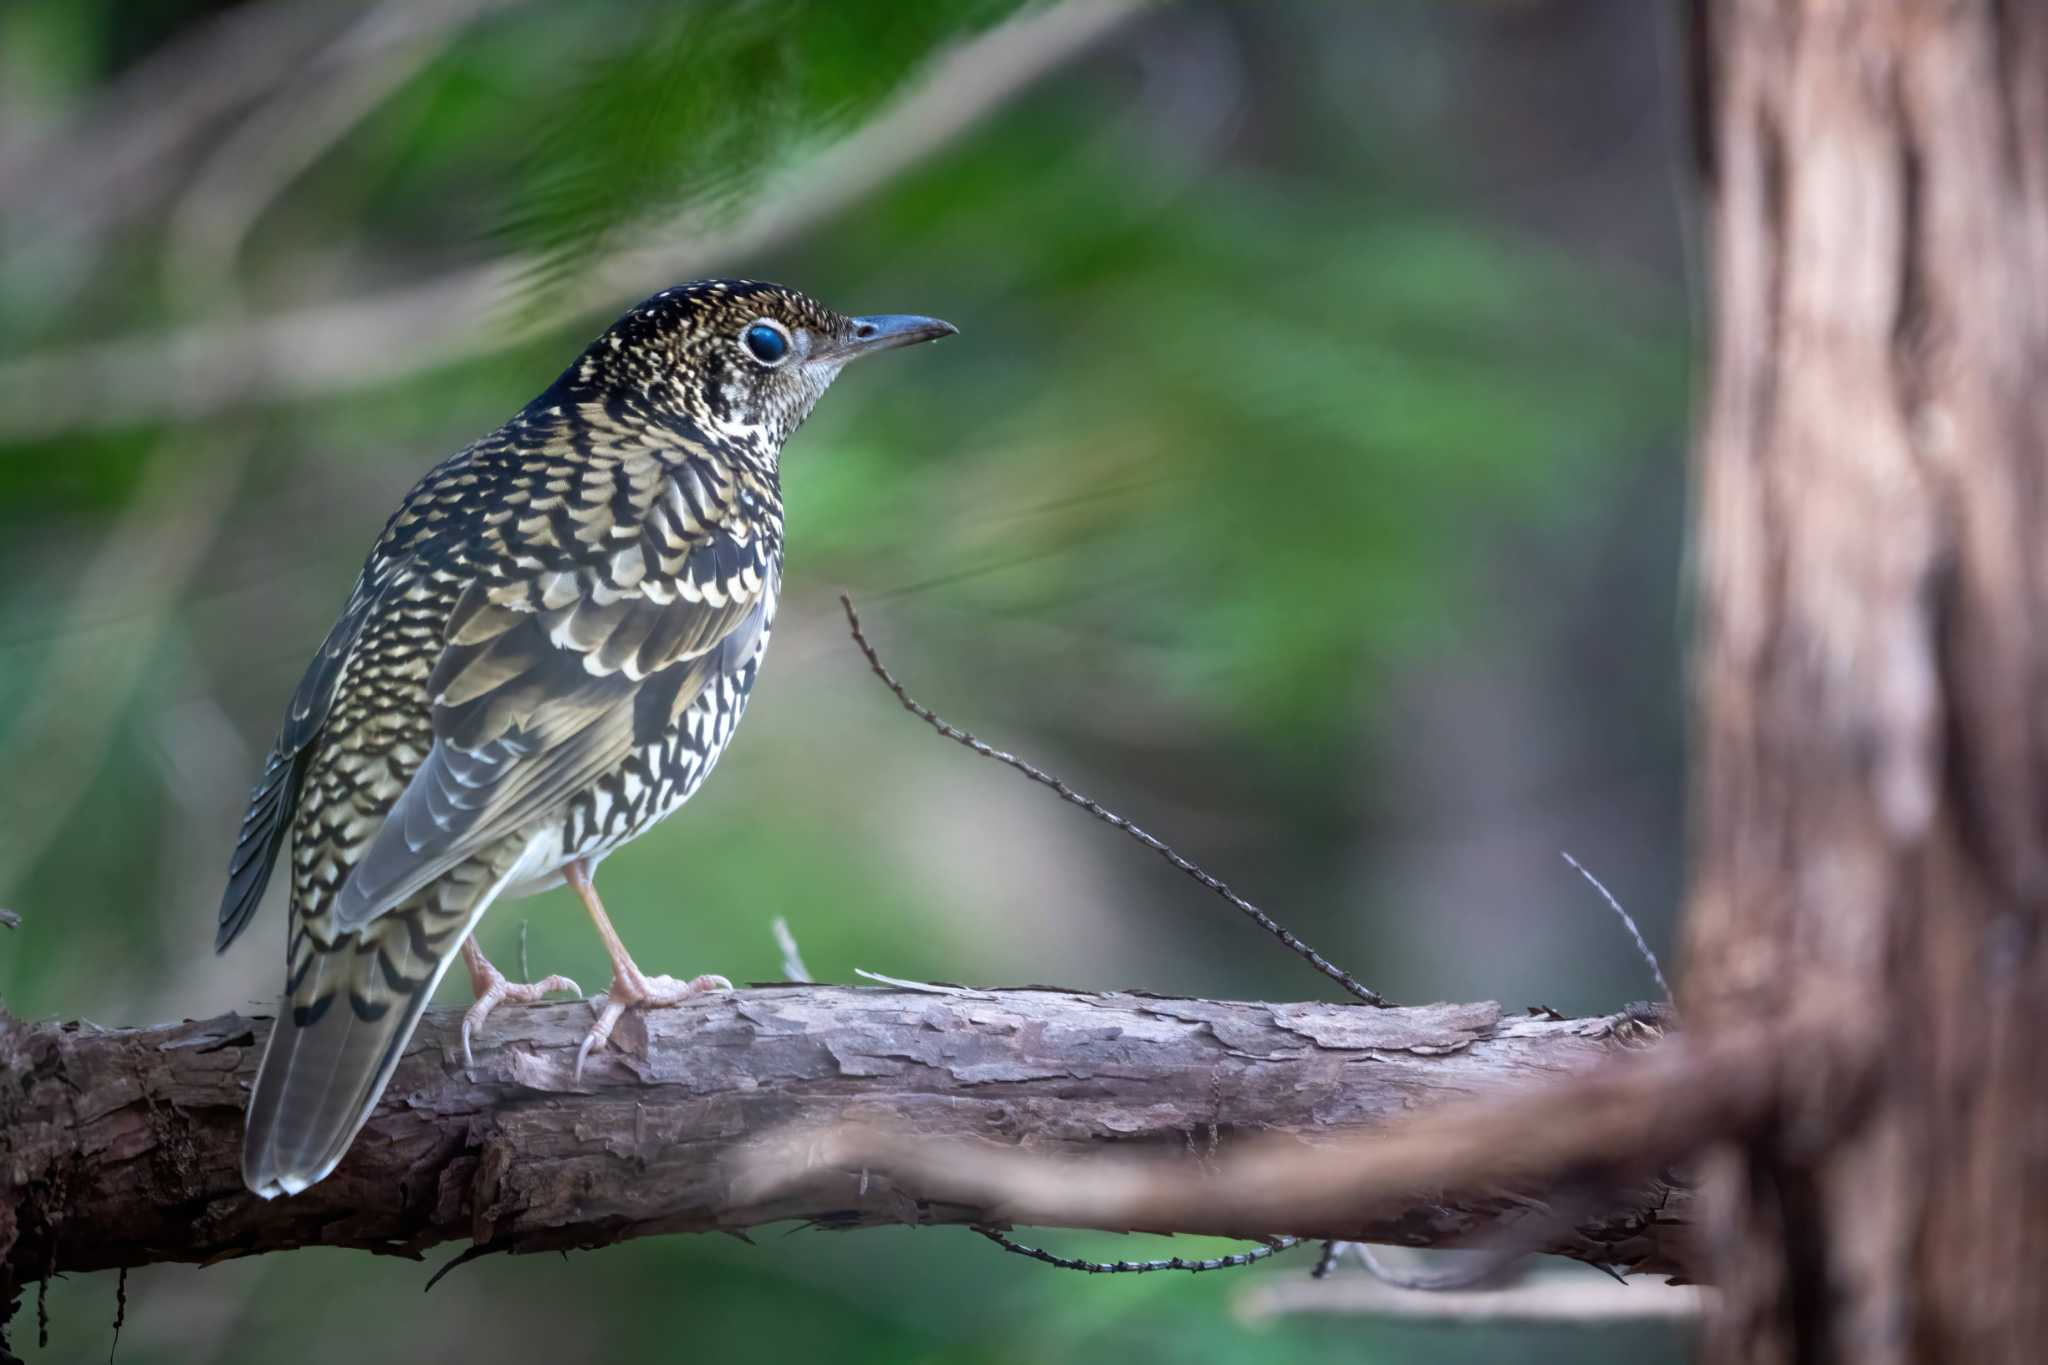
337 1039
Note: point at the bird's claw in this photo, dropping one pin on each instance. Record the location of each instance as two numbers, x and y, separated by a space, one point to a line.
627 992
496 990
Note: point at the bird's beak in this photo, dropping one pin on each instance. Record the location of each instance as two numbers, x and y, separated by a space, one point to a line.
887 331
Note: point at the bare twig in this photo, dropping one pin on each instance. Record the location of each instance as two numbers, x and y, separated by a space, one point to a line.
1628 922
922 987
793 968
1242 1258
120 1313
1109 817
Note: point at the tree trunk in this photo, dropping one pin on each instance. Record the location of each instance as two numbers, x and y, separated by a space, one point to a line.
1872 831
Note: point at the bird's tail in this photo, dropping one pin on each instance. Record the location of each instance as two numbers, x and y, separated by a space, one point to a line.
341 1029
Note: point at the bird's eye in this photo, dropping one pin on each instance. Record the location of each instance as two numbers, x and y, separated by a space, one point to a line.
766 342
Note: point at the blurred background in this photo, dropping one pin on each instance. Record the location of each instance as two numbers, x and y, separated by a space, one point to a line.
1306 483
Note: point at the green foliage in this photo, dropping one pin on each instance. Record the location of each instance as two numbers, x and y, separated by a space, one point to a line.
1251 476
1246 425
74 474
692 106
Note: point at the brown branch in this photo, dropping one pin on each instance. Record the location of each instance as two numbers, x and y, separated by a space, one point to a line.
1609 1128
121 1147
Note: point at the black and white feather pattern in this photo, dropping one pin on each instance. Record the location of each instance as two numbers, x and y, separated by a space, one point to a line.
547 651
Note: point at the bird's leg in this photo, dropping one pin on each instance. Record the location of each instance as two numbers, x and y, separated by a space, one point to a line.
630 986
492 989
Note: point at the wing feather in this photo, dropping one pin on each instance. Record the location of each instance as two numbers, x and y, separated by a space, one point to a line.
275 798
540 690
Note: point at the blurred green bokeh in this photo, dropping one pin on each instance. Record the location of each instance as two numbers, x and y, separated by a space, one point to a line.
1305 483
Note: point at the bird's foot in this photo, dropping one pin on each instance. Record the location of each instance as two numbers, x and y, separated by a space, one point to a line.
493 989
631 987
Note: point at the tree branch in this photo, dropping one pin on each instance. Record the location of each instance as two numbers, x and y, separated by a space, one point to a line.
121 1147
1541 1160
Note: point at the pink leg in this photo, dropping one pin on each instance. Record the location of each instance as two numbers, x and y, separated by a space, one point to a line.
492 989
630 986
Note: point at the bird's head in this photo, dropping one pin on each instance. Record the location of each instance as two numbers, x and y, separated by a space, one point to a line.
738 362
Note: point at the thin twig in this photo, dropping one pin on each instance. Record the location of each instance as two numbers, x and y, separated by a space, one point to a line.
1241 1258
120 1313
793 968
926 987
469 1253
1104 814
1327 1262
1629 923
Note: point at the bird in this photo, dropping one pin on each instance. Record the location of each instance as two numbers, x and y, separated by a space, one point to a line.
546 652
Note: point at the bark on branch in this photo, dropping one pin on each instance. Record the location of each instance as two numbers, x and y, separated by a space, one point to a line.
120 1147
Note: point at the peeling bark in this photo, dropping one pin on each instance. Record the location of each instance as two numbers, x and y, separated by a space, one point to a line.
121 1147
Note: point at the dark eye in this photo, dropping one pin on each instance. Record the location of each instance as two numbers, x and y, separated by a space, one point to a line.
766 342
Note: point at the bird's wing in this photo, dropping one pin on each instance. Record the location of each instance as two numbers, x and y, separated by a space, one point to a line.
548 681
276 795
